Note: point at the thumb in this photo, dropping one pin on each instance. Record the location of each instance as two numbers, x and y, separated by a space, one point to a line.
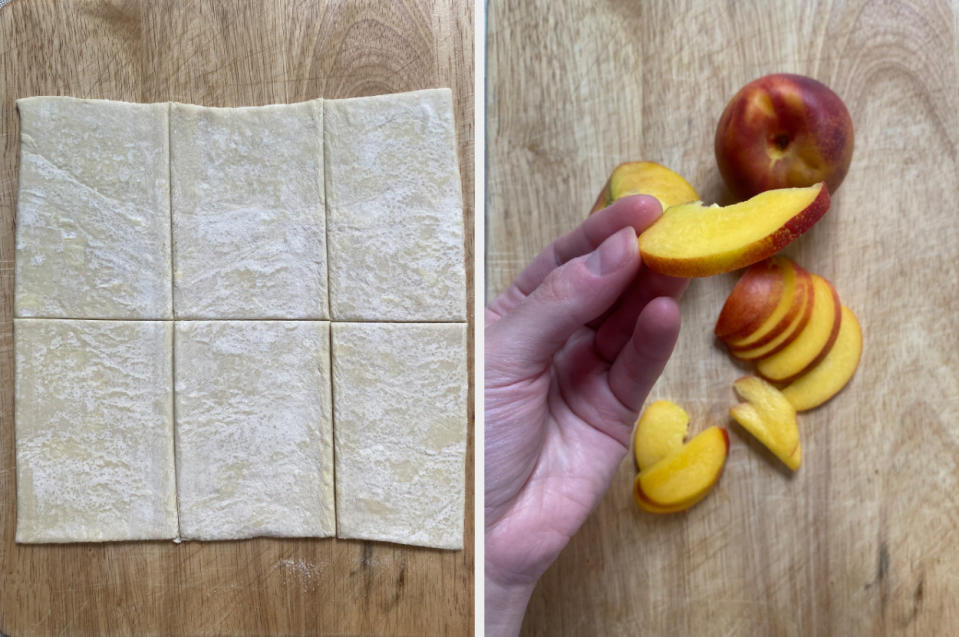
571 296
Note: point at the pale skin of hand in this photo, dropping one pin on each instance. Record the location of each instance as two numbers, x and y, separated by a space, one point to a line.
572 349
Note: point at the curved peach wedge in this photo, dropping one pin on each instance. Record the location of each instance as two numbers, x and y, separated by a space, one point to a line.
659 432
831 374
813 342
645 178
802 305
769 417
693 240
683 477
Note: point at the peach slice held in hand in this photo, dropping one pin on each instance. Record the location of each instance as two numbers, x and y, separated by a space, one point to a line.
813 342
693 240
831 374
645 178
769 417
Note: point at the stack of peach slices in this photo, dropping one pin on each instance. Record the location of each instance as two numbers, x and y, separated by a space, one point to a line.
780 141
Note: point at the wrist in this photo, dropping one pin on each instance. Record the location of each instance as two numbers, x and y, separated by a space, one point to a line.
505 603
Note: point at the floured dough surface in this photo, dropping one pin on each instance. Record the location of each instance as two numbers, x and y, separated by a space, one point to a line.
93 210
400 409
249 226
395 209
253 434
94 431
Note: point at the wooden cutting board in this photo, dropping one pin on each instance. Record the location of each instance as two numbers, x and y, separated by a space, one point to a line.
864 539
225 53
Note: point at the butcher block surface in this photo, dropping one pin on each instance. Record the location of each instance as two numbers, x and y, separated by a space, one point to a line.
225 53
864 538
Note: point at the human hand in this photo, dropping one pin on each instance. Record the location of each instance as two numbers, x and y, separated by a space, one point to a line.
572 349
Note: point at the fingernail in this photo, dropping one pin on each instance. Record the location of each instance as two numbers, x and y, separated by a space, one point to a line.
613 252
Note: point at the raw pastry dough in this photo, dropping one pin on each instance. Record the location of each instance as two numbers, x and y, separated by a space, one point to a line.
400 411
94 431
93 210
395 209
254 439
249 227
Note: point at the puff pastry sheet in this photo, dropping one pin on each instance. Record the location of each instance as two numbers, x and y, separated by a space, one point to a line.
210 249
400 412
254 440
395 208
249 226
93 223
94 431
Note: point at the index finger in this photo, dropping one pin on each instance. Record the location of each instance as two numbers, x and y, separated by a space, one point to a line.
636 211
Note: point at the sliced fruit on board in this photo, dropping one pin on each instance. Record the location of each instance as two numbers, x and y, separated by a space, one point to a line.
694 240
649 507
785 313
659 432
831 374
684 475
813 342
803 306
769 417
645 178
756 296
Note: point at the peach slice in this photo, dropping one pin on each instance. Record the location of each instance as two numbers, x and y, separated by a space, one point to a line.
683 477
788 307
756 297
813 342
693 240
831 374
804 298
645 178
769 417
659 432
649 507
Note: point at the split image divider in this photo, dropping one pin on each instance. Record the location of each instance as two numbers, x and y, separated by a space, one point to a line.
242 265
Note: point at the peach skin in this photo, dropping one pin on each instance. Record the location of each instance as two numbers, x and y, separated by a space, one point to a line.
803 304
790 304
756 297
781 131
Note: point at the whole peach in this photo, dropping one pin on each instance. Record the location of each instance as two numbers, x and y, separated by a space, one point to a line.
783 131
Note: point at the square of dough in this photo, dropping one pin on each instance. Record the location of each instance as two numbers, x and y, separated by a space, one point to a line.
94 430
93 210
395 208
254 440
400 412
249 220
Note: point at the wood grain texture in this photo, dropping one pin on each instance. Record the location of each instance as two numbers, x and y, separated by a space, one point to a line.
226 53
864 539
